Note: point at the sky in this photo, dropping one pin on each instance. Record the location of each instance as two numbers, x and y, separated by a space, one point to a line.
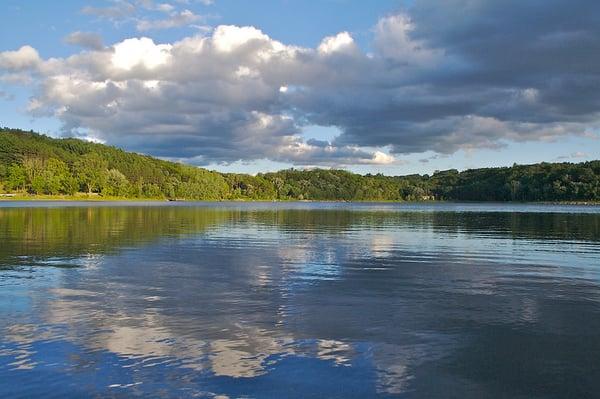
387 86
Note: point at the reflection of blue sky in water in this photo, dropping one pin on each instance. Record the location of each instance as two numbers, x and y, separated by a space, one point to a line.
344 306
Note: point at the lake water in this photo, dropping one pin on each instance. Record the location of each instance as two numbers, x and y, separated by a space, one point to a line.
299 300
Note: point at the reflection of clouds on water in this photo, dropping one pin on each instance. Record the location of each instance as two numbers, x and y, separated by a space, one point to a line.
23 335
382 244
149 344
150 337
294 254
396 364
529 311
235 350
241 350
338 351
110 317
393 379
309 263
246 357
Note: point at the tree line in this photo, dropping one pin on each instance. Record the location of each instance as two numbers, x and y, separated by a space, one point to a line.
37 164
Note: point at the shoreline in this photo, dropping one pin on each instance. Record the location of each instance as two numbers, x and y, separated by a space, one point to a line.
86 198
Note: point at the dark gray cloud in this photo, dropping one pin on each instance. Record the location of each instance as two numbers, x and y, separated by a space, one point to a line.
550 46
442 76
504 70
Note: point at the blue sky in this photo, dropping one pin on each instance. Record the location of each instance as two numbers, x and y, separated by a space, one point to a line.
400 88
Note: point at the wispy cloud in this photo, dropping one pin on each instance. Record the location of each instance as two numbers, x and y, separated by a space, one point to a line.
7 96
119 10
573 155
87 40
433 158
151 5
203 2
143 14
175 20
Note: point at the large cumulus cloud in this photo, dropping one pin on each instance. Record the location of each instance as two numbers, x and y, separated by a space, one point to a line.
440 76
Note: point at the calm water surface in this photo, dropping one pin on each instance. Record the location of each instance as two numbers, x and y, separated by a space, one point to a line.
306 300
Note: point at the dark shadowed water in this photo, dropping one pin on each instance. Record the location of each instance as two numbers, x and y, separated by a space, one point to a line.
277 300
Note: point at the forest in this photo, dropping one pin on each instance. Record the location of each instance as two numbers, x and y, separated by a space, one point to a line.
33 164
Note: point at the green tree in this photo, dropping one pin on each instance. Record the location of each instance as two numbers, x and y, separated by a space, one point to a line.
55 177
16 178
90 171
34 169
115 184
151 190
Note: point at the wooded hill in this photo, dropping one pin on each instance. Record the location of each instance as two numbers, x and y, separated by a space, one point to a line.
37 164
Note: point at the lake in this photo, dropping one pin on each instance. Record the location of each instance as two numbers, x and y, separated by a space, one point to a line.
299 300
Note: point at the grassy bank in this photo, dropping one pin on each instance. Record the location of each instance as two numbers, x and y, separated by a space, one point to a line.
77 197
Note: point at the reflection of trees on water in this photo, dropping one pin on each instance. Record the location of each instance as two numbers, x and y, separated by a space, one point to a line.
76 230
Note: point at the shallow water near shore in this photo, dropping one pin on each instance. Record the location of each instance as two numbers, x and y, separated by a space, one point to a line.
299 300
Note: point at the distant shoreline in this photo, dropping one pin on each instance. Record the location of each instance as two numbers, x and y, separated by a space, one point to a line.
95 198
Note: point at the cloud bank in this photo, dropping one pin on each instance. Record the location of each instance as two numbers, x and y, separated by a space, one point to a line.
462 74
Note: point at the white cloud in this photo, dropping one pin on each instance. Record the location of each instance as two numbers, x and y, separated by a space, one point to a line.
338 43
317 152
135 52
165 7
206 99
24 58
393 40
381 158
227 38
